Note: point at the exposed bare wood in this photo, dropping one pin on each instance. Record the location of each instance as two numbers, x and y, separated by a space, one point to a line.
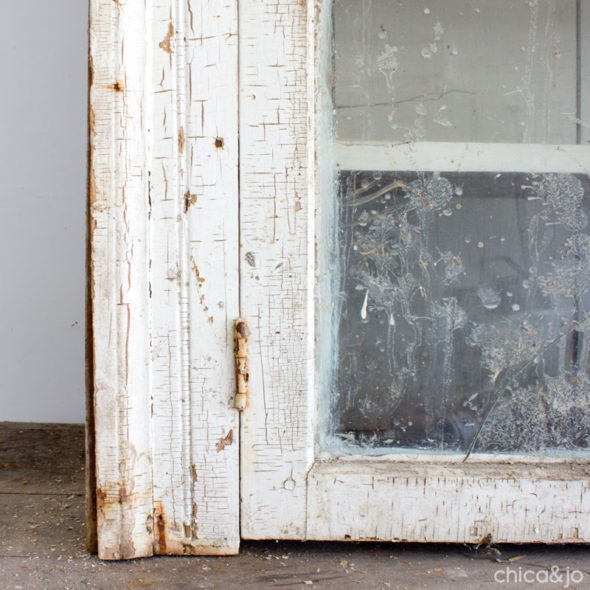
89 442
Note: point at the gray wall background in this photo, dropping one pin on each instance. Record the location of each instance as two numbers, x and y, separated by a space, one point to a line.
42 210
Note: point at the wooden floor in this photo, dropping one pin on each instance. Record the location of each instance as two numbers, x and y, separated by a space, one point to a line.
42 542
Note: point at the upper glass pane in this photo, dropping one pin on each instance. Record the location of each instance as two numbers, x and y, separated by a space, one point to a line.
459 272
456 70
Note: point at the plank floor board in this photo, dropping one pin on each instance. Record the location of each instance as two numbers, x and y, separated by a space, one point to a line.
42 542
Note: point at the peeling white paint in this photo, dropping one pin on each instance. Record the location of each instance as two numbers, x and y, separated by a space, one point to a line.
163 126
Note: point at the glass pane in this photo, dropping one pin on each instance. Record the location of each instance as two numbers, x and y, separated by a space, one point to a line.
455 70
461 290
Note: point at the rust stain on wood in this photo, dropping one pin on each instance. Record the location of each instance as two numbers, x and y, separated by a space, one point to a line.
189 199
159 529
200 279
219 143
165 43
181 140
111 496
225 441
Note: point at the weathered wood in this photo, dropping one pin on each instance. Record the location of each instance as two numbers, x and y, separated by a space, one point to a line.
286 491
41 458
385 500
276 225
41 546
90 430
172 256
163 191
119 208
194 192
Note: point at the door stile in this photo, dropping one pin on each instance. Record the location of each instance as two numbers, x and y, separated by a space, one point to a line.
164 257
276 253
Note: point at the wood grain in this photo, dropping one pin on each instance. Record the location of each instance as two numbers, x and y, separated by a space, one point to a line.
384 500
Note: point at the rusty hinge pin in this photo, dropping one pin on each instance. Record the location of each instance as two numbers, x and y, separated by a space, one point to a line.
241 333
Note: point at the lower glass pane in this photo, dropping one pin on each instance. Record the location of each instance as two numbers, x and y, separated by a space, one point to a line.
463 311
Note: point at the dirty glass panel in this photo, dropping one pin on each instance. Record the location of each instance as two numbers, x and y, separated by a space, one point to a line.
456 70
463 298
467 297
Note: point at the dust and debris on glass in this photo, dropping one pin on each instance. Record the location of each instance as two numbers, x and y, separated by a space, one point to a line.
463 293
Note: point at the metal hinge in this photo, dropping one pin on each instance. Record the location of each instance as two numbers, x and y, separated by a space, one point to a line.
241 333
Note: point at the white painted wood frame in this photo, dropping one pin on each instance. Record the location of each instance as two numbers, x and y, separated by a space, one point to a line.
290 488
163 223
175 257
